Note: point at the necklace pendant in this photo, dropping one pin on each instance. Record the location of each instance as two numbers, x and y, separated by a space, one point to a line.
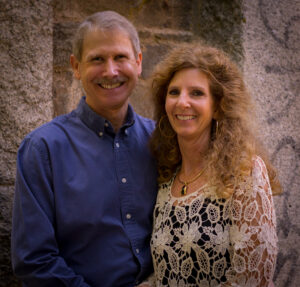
183 190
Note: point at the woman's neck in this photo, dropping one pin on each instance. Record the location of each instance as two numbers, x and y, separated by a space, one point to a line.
193 153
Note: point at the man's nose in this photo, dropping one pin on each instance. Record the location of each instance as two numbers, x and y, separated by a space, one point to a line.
110 68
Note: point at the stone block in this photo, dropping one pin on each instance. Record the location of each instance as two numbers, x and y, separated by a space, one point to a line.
62 43
219 23
63 95
6 198
26 97
141 100
149 13
152 54
271 68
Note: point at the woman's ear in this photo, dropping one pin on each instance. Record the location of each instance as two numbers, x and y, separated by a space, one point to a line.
216 113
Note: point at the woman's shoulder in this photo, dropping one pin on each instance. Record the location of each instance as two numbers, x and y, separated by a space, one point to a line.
258 163
164 190
256 183
259 172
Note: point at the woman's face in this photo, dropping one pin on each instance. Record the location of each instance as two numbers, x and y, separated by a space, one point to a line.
189 104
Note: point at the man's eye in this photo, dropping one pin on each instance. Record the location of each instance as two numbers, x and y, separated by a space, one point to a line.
120 57
97 59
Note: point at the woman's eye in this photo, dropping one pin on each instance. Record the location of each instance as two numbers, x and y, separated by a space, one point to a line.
173 92
197 93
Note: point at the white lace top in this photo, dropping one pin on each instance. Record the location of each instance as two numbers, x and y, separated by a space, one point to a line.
202 240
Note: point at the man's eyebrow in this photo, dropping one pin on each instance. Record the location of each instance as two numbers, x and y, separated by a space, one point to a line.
93 55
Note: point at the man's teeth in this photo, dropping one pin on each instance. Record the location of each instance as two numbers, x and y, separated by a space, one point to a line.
185 118
110 86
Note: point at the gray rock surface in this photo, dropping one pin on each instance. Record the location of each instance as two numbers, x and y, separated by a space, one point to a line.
26 97
272 67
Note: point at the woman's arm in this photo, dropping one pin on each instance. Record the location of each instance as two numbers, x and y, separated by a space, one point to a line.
253 231
149 282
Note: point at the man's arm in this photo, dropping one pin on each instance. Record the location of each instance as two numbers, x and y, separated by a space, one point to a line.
35 253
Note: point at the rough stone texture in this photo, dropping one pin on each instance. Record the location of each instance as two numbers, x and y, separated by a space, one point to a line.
272 68
220 24
26 97
37 81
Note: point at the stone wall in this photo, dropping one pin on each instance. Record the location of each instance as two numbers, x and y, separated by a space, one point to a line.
26 97
261 35
271 40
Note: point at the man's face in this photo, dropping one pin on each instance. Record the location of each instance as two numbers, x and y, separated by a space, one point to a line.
108 69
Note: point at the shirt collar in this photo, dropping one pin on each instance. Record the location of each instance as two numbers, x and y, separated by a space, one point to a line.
97 123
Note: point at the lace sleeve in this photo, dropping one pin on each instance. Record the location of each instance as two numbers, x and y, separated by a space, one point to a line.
149 282
253 231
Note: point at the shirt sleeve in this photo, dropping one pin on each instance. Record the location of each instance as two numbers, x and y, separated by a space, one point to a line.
35 254
253 231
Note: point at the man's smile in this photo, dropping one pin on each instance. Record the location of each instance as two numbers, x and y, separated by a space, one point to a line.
110 86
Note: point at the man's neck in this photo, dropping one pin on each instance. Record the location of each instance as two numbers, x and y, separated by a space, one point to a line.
116 116
118 119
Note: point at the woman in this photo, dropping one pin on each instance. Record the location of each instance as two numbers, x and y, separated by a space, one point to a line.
214 220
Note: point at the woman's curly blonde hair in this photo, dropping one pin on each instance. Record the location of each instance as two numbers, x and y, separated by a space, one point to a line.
233 145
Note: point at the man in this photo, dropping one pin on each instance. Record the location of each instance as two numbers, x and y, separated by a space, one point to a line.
86 183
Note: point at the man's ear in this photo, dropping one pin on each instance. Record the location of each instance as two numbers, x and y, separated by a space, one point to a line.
75 66
139 63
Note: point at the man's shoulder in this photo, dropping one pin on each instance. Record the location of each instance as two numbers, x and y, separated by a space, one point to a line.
147 123
50 130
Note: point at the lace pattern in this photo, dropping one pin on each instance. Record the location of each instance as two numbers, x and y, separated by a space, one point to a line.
203 240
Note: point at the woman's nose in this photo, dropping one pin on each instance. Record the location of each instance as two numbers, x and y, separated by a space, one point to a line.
183 100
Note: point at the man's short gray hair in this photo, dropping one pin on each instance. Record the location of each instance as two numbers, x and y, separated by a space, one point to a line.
106 20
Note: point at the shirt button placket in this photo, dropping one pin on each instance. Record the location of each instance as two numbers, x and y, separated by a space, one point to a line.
124 177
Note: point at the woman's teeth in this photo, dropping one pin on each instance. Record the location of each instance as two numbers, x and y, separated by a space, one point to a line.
184 118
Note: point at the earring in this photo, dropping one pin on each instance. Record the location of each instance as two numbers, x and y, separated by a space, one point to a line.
217 127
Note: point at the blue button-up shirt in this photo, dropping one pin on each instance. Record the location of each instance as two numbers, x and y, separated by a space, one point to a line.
83 202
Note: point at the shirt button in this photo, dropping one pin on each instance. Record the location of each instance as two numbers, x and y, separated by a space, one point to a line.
117 145
100 134
137 251
128 216
124 180
106 124
126 132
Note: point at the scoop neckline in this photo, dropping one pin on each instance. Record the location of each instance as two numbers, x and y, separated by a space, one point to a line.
183 196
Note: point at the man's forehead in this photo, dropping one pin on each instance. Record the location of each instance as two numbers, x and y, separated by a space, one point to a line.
106 33
102 40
